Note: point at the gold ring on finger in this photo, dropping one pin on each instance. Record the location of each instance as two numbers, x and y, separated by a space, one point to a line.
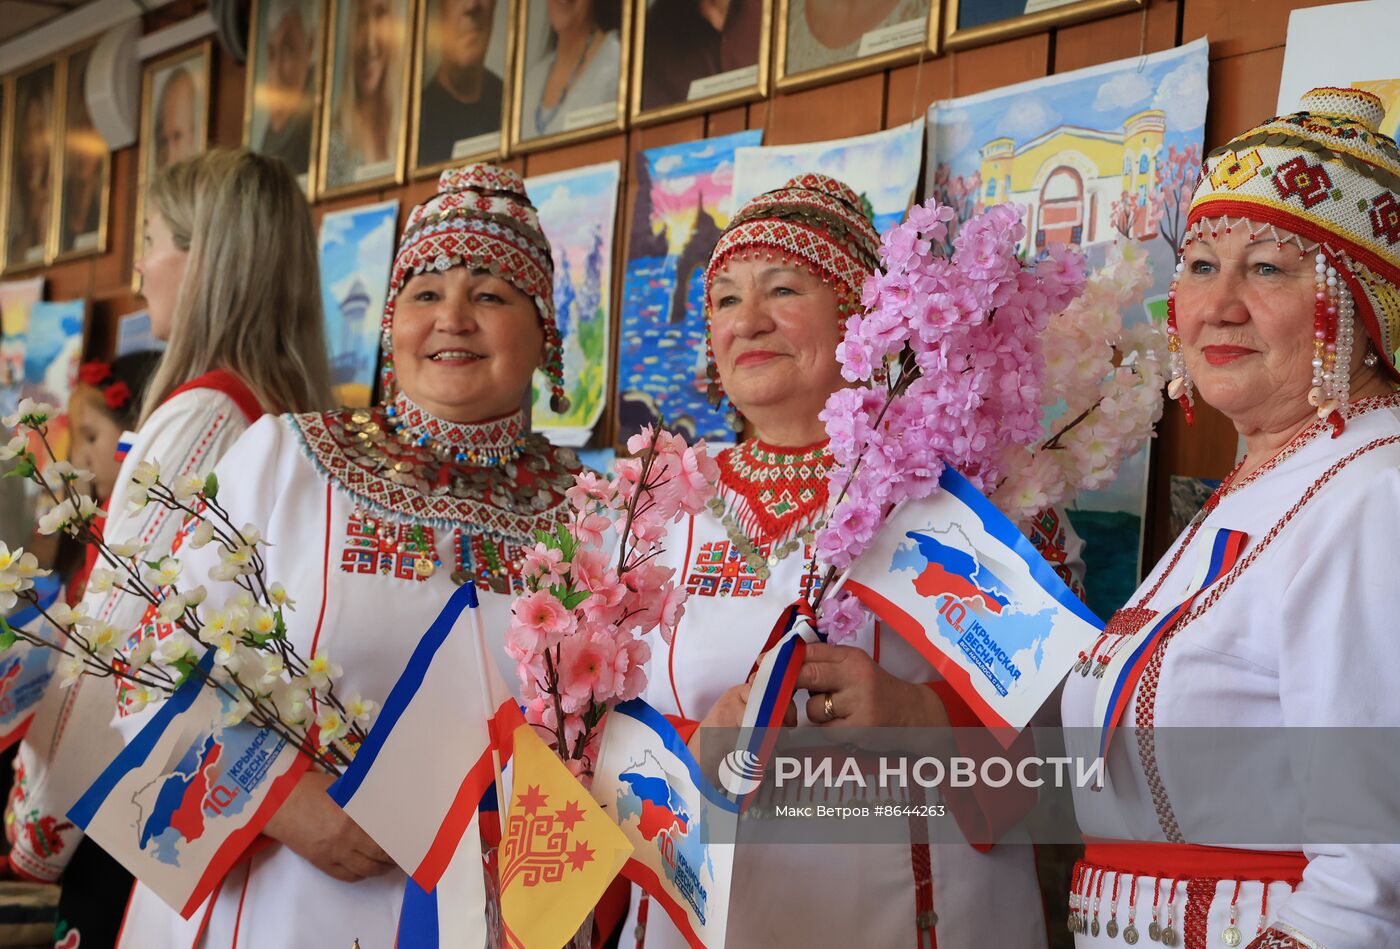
828 709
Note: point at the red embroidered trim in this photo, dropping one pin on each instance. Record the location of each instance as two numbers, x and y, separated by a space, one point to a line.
774 491
498 434
1275 939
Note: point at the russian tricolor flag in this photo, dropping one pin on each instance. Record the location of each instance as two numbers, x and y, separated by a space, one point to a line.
416 782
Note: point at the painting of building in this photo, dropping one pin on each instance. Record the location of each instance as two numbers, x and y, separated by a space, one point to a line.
1072 178
356 250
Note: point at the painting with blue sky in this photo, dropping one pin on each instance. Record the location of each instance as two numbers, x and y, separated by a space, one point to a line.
357 250
578 213
684 200
882 167
53 346
1095 156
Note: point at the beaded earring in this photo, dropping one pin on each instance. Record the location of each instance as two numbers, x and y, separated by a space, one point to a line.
1333 337
554 371
1179 388
387 378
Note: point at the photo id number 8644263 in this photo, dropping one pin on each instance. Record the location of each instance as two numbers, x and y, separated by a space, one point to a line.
910 810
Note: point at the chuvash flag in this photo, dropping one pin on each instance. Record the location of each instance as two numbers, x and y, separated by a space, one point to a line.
189 794
956 578
435 748
674 818
25 668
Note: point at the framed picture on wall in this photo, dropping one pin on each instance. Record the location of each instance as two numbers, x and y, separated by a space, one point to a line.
285 53
975 22
6 110
30 159
570 70
460 82
365 110
819 40
174 120
693 56
86 169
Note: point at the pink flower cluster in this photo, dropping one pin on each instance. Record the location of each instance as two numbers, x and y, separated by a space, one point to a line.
596 591
952 350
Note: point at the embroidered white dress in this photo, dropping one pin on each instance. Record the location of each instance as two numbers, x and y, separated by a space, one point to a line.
350 519
71 739
874 894
1300 633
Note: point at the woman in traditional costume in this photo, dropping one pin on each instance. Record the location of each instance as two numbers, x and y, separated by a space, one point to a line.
1285 316
227 246
374 516
783 275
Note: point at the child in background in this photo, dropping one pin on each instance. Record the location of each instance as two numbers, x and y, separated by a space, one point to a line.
105 403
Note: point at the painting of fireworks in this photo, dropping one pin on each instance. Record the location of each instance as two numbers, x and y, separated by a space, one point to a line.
1095 156
578 212
684 199
357 250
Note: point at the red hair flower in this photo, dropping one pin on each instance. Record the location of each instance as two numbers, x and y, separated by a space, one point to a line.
94 373
116 395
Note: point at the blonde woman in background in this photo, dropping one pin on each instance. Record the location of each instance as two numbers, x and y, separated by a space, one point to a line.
227 270
367 111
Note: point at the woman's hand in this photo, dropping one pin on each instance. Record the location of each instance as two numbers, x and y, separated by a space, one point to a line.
318 831
849 689
728 712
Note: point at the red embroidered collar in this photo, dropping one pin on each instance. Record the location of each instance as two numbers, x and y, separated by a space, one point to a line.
393 475
770 492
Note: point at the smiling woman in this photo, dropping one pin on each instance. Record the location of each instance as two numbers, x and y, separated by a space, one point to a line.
377 515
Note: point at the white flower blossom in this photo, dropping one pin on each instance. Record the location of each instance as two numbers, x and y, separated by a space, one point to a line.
57 518
14 447
273 669
33 414
332 726
293 702
145 474
172 608
70 669
61 471
129 549
104 638
101 580
196 596
361 710
262 622
141 653
175 647
240 711
279 597
203 534
187 487
138 697
321 670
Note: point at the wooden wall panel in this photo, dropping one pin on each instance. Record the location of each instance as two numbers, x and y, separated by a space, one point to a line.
1087 44
1240 26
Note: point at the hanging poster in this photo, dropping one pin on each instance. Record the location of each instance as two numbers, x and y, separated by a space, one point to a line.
357 250
883 168
1097 155
578 212
683 202
53 347
17 298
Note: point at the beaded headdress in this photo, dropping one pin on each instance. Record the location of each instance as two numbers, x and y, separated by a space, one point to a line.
481 218
1331 180
814 221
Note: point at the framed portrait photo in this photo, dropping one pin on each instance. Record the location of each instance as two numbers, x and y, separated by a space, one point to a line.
975 22
692 56
570 70
174 121
86 171
31 155
283 98
819 40
365 105
461 82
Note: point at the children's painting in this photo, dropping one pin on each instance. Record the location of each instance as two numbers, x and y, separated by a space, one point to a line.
684 199
1095 156
53 347
17 298
883 168
134 334
578 212
357 250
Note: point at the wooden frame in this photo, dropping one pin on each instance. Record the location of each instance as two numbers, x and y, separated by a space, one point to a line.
506 20
916 47
1062 14
619 112
331 107
745 92
257 30
202 54
7 108
98 146
44 243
